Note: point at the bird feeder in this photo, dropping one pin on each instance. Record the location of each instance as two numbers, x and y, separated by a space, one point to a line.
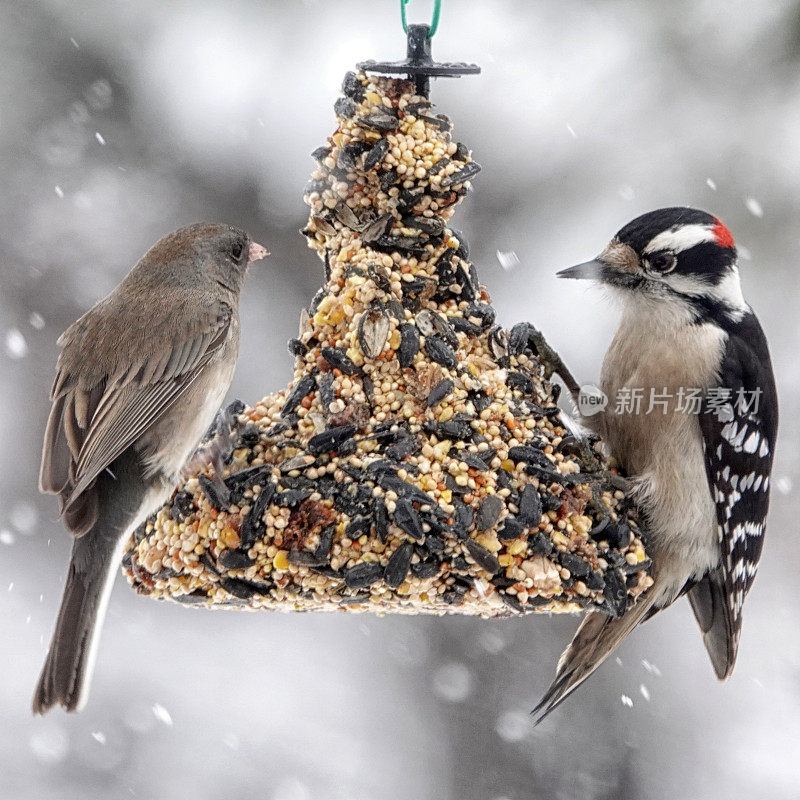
418 461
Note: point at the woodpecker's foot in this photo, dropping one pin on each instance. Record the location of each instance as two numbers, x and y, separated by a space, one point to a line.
552 362
600 481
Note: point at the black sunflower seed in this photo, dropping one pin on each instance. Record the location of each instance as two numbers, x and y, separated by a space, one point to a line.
439 392
540 544
325 543
425 569
338 359
321 152
302 558
432 226
485 314
482 557
388 179
362 575
465 326
409 344
291 497
240 482
375 230
398 566
489 512
252 523
617 534
511 601
594 581
575 564
218 496
380 518
470 459
376 154
351 86
512 529
182 506
403 447
456 429
465 515
344 107
466 172
381 121
433 544
440 352
438 166
407 519
452 597
517 380
615 592
530 506
330 439
357 527
235 559
296 347
301 389
529 455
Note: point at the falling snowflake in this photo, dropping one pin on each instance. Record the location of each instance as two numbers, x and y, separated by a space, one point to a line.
16 346
627 701
161 714
754 207
711 184
508 259
645 692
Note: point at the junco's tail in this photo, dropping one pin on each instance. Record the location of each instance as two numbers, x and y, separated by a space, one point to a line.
596 638
70 659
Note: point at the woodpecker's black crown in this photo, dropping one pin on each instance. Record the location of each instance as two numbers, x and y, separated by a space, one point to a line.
638 233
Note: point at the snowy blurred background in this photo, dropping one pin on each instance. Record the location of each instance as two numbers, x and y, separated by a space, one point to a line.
123 119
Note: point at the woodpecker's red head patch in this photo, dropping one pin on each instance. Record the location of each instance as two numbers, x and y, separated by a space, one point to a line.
722 236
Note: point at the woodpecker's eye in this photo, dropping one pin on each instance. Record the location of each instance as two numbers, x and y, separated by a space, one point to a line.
236 250
661 262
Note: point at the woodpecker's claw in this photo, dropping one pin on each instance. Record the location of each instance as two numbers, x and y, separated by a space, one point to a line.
552 362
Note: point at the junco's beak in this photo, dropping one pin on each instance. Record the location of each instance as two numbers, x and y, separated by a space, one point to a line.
589 270
257 252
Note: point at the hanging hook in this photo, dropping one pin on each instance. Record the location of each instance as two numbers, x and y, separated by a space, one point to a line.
437 8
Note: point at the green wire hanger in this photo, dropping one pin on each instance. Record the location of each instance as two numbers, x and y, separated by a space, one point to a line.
437 8
419 64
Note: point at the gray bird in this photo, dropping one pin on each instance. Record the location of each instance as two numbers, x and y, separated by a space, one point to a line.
139 380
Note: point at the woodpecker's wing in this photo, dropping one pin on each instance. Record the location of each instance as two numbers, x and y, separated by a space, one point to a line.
739 439
93 421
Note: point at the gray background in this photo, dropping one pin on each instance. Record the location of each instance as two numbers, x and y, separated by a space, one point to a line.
586 114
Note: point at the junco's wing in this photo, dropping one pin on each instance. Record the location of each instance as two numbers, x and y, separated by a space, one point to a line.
96 416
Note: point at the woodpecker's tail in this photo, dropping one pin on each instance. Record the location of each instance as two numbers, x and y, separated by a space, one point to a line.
594 641
709 600
70 659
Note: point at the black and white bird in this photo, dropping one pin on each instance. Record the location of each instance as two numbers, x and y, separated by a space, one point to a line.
699 472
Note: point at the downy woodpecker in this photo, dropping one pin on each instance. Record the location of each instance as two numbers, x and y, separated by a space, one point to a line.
699 471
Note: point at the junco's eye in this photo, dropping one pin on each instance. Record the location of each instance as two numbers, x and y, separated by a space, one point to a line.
237 250
661 262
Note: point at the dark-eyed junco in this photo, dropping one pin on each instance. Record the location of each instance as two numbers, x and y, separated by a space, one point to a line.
139 380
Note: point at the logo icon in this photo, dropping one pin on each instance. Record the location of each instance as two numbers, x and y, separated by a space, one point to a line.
591 400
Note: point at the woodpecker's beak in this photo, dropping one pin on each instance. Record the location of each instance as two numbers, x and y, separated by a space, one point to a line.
257 252
589 270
